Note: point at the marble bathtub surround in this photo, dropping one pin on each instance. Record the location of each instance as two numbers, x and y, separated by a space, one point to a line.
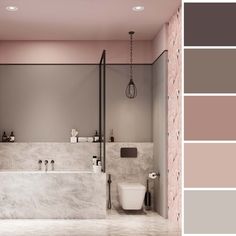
128 169
67 156
52 195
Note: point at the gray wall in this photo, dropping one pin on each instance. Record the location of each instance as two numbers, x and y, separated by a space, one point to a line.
160 133
131 119
41 103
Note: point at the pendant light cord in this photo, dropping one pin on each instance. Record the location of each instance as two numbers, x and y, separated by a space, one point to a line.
131 54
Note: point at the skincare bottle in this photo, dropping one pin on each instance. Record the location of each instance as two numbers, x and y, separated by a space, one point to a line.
12 137
94 160
74 136
96 137
112 139
98 167
4 137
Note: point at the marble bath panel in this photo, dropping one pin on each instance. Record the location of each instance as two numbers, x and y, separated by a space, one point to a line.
60 195
128 169
67 156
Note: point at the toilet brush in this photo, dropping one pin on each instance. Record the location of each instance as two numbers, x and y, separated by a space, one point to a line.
147 199
109 191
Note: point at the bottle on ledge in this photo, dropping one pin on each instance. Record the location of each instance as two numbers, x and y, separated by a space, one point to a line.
12 137
96 137
112 139
4 137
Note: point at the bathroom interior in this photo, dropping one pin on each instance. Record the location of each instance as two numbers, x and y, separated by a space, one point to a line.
90 111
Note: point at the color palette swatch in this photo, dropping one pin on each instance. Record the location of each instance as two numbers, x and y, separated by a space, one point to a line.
210 212
209 24
209 118
209 71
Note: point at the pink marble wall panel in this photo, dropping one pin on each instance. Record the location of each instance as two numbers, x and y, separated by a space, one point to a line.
73 51
174 118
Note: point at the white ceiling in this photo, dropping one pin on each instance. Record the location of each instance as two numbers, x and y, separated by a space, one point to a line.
83 19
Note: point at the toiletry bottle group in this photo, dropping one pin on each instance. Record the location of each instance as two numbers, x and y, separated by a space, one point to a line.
10 139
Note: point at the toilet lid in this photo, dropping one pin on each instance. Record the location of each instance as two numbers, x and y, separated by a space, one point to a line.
131 186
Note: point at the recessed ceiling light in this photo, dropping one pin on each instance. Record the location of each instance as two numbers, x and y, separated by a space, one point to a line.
138 8
11 8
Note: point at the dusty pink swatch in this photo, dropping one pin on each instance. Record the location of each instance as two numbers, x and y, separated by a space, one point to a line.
209 165
210 118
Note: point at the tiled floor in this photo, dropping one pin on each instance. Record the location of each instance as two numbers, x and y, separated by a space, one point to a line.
116 224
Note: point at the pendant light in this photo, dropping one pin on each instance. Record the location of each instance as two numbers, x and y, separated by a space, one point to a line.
131 90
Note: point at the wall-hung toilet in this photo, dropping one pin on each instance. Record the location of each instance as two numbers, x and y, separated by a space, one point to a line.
131 195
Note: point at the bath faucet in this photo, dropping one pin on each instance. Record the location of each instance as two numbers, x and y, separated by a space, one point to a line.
52 164
46 165
40 164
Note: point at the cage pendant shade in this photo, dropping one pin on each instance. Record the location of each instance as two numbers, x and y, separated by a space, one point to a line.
131 90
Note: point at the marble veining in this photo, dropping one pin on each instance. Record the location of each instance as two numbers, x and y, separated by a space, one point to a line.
114 225
128 169
67 156
27 195
174 117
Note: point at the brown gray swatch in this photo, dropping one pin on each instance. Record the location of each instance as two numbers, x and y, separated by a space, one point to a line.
210 118
209 24
209 212
210 71
209 165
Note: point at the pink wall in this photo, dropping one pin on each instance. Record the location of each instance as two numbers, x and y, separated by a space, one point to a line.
160 42
73 51
82 51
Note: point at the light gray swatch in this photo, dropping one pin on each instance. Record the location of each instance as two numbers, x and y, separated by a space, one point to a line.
209 212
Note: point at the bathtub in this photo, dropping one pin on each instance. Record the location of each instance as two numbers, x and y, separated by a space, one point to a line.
52 195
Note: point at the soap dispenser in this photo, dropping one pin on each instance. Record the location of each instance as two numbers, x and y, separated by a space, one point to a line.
12 137
4 137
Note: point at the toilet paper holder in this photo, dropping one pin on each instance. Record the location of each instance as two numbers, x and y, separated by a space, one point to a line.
154 175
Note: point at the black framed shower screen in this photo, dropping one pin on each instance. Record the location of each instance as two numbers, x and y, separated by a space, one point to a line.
102 109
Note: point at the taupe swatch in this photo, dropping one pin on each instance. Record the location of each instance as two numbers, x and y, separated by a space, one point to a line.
209 24
209 165
210 118
209 212
209 71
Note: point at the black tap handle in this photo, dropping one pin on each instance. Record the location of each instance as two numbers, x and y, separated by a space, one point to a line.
40 161
46 162
52 161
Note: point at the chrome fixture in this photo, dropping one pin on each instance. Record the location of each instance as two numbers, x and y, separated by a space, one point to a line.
52 164
40 164
131 90
46 165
